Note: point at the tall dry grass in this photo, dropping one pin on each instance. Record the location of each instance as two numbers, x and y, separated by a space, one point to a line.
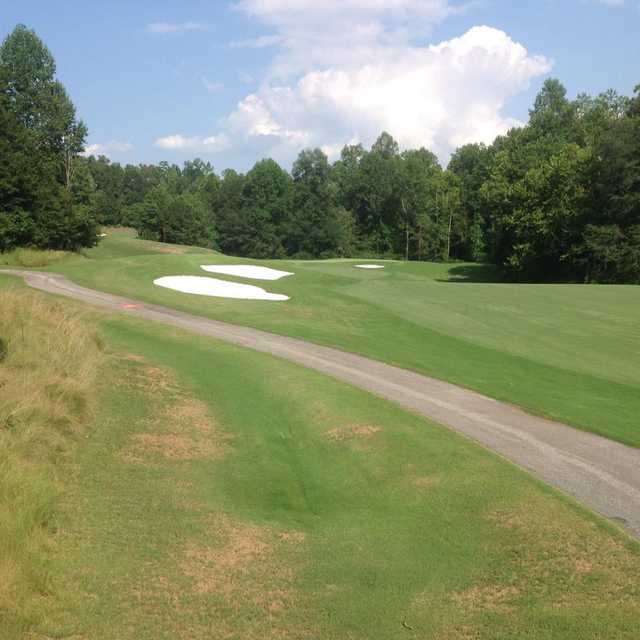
26 257
47 391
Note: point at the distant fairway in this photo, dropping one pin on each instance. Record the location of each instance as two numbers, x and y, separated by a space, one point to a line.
569 352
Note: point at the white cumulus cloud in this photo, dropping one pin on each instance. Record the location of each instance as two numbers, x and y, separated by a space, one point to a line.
106 148
345 70
176 27
438 96
212 87
177 142
341 32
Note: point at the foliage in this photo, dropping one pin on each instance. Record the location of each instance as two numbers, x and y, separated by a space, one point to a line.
40 139
556 199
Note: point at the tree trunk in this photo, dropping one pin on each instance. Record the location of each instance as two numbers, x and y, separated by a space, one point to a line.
406 249
406 227
68 169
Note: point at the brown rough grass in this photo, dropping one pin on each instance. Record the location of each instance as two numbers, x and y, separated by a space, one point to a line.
242 567
25 257
351 432
183 430
241 574
569 555
47 393
559 561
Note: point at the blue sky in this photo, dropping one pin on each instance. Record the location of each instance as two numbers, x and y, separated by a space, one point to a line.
233 82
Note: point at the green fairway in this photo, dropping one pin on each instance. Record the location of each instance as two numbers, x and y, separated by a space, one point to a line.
223 493
569 352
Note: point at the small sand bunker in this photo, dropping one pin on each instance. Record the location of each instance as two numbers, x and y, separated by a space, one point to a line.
203 286
246 271
370 266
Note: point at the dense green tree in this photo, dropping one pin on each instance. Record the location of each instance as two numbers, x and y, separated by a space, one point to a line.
22 189
345 174
110 193
553 114
417 175
228 212
39 101
378 208
29 74
314 227
471 164
266 205
40 144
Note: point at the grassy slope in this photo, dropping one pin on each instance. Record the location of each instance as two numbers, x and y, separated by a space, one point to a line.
225 493
31 258
569 352
47 390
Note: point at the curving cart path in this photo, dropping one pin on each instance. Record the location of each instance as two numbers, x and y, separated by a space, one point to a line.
600 473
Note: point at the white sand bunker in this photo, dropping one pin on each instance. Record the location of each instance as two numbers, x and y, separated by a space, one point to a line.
246 271
370 266
203 286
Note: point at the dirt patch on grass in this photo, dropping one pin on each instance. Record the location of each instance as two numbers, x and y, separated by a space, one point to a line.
137 374
236 549
133 357
425 482
168 248
567 557
414 476
544 561
248 569
190 413
178 427
352 432
170 446
184 430
293 536
487 598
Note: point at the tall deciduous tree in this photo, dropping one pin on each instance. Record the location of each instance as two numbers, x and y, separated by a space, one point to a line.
313 228
45 122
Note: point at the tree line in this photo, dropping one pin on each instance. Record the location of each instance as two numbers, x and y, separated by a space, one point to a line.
555 200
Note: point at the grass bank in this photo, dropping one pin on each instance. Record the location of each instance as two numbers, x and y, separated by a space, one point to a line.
49 360
568 352
32 258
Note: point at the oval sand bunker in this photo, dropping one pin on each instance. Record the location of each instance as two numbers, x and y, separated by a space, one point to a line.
370 266
202 286
246 271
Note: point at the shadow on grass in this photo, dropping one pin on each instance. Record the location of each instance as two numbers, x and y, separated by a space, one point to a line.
473 273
